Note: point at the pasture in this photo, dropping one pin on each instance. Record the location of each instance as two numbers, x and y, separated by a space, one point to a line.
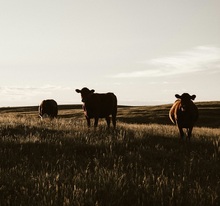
142 162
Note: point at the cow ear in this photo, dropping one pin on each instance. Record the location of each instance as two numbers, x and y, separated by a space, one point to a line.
177 96
92 90
78 91
193 96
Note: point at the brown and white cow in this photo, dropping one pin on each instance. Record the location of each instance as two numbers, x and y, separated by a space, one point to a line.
98 105
48 108
184 113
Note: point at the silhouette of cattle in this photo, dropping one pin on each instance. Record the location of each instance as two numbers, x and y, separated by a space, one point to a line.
184 113
97 106
48 108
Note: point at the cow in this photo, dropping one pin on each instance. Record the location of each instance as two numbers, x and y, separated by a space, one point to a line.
48 108
98 105
184 113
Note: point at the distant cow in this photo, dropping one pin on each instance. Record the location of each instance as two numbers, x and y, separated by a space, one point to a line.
184 113
98 106
48 108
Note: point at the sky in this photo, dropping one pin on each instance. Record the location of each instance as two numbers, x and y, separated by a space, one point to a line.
145 51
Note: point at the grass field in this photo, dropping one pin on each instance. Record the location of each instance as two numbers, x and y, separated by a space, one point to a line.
142 162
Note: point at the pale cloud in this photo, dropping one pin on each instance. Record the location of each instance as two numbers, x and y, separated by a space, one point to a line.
30 91
198 59
15 96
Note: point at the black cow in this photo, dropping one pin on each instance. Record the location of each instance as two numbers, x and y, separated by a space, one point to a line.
184 113
97 106
48 108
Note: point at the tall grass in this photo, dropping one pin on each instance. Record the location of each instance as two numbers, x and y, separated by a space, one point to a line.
62 162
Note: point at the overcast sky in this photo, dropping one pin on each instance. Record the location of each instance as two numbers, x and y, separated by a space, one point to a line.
145 51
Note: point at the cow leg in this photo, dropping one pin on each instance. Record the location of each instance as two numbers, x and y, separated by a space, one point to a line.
88 121
114 120
189 133
96 121
108 121
181 132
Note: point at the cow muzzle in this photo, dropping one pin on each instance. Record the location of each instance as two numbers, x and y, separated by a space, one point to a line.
43 116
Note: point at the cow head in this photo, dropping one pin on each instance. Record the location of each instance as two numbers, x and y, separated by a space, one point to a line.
185 100
41 109
85 93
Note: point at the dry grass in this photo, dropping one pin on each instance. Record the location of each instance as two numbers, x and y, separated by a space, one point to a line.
61 162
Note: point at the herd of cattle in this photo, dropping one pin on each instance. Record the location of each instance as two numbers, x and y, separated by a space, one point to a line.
183 112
